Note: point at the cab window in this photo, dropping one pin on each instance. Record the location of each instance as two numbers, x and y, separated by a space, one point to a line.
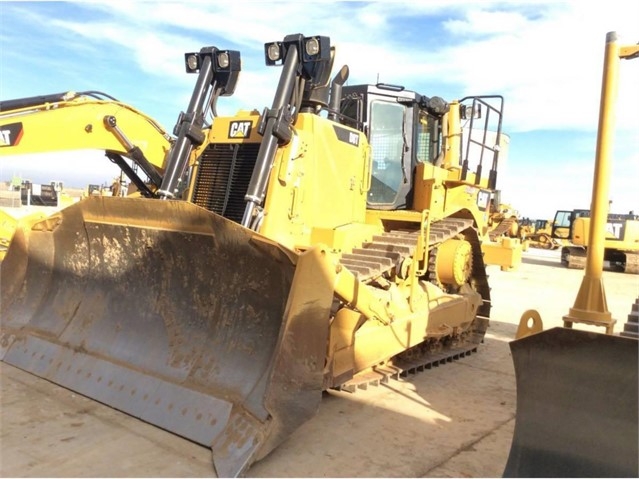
386 137
422 139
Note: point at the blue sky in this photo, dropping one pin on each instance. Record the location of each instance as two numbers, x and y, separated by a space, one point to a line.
545 58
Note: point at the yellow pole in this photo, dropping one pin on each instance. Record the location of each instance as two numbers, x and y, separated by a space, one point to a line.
590 305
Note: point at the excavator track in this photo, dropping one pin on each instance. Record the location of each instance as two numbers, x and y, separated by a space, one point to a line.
573 258
632 263
387 251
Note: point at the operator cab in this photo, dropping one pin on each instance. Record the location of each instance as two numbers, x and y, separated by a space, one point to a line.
401 132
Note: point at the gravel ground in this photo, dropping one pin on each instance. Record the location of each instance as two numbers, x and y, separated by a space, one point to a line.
455 420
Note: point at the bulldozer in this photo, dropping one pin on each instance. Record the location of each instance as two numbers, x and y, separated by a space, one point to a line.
502 244
621 247
578 390
503 220
538 234
331 241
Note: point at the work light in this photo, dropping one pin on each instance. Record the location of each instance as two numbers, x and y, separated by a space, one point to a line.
315 56
312 46
192 62
223 59
273 52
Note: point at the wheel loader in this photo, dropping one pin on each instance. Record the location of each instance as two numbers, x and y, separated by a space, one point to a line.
331 241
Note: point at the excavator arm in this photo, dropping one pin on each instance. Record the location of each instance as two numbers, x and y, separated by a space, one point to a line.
87 120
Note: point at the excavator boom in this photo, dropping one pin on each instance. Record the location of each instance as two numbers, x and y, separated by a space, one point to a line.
89 120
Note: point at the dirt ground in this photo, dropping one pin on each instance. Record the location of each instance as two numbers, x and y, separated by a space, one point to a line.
455 420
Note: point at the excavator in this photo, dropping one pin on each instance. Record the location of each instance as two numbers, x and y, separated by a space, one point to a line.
331 241
87 120
621 243
79 121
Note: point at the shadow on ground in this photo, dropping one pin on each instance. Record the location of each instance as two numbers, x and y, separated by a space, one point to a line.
542 262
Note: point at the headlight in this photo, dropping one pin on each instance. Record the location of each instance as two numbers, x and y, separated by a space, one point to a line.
192 62
223 60
273 52
312 46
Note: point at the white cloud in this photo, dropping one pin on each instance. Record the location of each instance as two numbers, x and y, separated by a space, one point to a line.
479 23
544 57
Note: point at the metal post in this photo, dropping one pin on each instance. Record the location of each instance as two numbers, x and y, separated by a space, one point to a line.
590 305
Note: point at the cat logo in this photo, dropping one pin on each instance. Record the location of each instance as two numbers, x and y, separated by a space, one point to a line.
240 129
615 229
11 134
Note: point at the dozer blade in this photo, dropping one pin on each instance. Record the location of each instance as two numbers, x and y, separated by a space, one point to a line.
174 315
576 405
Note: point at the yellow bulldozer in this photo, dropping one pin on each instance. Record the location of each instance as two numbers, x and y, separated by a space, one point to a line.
538 234
503 220
502 244
331 241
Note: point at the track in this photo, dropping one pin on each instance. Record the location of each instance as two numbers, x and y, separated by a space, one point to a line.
632 263
385 252
631 328
542 241
575 258
501 228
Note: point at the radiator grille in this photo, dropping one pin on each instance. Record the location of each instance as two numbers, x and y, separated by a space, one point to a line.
223 177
